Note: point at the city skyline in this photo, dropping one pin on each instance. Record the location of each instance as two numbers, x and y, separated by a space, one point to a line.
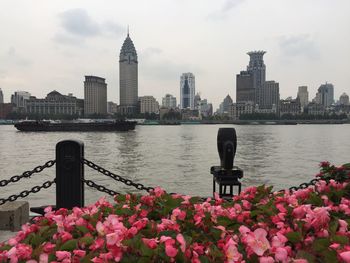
84 38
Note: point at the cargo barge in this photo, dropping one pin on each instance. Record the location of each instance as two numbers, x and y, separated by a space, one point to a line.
82 126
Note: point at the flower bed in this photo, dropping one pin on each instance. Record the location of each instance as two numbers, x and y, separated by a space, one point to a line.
308 225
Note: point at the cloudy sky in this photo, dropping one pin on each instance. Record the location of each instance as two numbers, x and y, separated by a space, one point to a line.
52 45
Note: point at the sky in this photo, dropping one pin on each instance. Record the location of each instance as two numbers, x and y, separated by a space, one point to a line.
52 45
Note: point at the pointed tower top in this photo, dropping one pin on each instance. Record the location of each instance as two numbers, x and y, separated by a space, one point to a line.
128 30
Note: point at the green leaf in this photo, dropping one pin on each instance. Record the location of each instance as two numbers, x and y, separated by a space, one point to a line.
343 240
329 256
305 255
204 259
36 241
6 247
70 245
146 251
83 229
333 226
314 199
294 237
87 241
321 244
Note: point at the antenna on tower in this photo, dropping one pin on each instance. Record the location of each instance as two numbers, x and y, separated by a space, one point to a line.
128 30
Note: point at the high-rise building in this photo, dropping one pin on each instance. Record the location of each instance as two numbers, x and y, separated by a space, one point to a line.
95 95
1 97
303 96
19 99
325 95
197 101
344 99
257 69
205 108
269 95
244 87
169 101
187 91
148 104
128 78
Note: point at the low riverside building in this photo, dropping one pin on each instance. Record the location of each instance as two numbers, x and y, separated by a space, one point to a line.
290 107
314 108
5 109
55 104
112 107
239 108
148 104
19 100
1 97
169 101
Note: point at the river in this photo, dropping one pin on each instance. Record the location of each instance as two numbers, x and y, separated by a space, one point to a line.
177 158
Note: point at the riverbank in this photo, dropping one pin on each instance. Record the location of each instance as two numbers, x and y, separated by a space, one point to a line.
243 122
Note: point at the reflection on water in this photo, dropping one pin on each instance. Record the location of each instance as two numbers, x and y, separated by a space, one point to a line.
177 158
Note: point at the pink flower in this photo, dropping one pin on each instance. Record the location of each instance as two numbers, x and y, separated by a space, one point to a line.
231 252
97 244
345 256
48 247
44 258
182 242
279 240
79 253
281 254
62 255
257 241
150 242
343 226
266 260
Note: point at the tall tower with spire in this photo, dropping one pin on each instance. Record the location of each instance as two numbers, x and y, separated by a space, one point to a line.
128 77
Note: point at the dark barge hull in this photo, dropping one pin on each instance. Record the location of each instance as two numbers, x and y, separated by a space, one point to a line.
96 126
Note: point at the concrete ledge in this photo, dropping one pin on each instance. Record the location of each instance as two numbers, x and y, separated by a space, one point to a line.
13 215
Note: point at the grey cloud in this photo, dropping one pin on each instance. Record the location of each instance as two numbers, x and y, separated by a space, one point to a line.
227 6
77 25
78 22
299 45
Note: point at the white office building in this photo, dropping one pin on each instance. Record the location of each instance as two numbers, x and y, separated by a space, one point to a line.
169 101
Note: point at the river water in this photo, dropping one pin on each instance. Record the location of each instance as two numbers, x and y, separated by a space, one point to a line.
177 158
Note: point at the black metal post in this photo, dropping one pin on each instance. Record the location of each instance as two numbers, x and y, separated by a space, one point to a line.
69 174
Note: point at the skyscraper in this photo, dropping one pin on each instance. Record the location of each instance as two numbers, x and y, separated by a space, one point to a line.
244 87
303 96
1 97
95 95
187 91
128 77
325 94
257 69
269 95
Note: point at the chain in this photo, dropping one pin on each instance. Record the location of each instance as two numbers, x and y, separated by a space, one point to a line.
305 185
100 188
25 193
27 174
116 177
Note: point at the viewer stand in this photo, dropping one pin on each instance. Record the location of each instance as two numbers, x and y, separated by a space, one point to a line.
225 178
226 174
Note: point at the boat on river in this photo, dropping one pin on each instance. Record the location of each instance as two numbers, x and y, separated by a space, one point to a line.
78 125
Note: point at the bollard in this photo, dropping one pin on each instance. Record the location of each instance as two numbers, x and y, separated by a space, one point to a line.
69 174
226 175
